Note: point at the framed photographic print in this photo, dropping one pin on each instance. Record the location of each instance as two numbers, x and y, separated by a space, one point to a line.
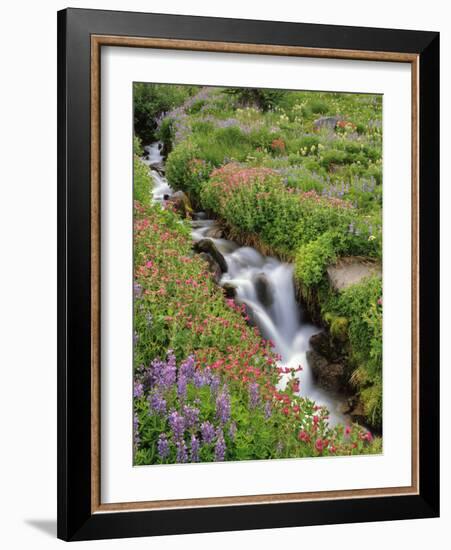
248 274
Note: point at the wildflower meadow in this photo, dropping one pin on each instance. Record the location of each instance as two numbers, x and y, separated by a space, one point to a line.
295 177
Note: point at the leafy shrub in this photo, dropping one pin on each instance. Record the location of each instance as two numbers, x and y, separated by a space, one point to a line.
137 146
361 305
150 100
318 107
263 99
142 181
313 258
254 200
184 170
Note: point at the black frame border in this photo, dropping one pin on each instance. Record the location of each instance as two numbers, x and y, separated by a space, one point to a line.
75 520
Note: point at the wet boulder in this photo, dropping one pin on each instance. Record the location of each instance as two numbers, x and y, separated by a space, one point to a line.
158 167
263 289
214 232
209 247
199 216
213 266
229 290
181 203
330 376
323 344
357 411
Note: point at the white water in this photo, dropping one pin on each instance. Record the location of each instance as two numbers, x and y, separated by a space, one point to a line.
280 318
153 158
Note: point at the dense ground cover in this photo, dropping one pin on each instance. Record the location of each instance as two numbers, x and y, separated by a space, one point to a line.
298 174
206 383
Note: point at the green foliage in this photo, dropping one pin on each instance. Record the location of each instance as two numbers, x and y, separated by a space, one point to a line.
338 326
137 146
313 258
261 98
318 107
142 181
185 170
165 133
371 396
150 100
361 306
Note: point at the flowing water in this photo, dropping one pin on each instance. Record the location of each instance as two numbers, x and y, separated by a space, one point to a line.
265 285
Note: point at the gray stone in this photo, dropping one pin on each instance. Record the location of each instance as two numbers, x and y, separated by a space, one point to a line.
350 271
263 289
330 376
158 167
208 246
323 344
229 290
214 232
357 412
213 266
328 122
180 202
199 216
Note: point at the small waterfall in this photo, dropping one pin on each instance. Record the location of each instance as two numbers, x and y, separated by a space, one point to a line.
265 285
154 160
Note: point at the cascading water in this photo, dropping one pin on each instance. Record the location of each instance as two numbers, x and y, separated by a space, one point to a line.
154 160
265 285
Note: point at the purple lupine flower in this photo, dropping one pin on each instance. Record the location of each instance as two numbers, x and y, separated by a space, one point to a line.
163 446
137 390
157 403
279 447
187 368
207 432
169 371
194 449
254 395
215 383
182 452
232 430
223 406
220 447
199 379
137 289
181 387
191 415
177 423
268 410
227 123
155 372
208 376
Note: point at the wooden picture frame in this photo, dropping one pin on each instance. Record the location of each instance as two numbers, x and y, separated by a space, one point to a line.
81 35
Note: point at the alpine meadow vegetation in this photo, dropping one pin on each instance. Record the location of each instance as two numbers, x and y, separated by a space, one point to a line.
298 176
